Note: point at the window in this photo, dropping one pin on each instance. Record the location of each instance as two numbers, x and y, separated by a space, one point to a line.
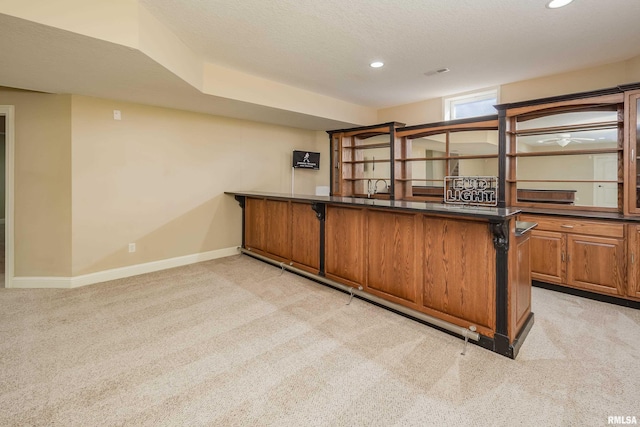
470 105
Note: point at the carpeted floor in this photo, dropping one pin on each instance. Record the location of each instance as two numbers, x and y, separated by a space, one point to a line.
234 342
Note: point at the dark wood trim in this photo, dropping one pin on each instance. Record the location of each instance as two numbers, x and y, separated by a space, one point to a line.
502 159
560 98
365 128
454 123
321 211
241 202
586 294
500 231
524 331
630 86
392 163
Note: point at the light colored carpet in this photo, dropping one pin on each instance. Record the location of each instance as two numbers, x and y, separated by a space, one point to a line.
233 342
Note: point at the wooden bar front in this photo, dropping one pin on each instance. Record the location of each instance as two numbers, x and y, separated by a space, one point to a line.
471 271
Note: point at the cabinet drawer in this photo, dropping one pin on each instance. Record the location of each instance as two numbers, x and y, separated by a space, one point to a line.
577 226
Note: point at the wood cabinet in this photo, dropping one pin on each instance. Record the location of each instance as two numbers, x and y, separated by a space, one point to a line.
565 154
283 230
519 282
596 264
633 248
632 152
547 264
459 270
426 154
362 160
582 254
466 268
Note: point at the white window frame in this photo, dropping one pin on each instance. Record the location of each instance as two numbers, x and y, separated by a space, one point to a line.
450 101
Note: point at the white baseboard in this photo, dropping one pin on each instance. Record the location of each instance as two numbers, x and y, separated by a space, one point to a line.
119 273
40 282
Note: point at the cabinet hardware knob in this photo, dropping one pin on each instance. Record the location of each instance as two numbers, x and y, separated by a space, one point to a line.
566 226
563 257
633 258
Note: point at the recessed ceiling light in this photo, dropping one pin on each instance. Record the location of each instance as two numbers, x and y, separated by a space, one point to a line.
376 64
555 4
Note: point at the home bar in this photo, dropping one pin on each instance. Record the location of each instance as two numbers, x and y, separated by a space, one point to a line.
408 227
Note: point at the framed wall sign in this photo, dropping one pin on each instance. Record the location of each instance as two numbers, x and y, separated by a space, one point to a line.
306 160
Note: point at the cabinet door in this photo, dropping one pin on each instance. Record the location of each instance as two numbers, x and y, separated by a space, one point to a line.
547 256
596 264
633 151
633 248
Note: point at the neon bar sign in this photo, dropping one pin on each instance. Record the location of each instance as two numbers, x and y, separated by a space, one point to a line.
471 190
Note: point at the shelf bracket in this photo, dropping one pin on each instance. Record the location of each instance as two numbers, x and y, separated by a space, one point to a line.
319 209
500 232
240 200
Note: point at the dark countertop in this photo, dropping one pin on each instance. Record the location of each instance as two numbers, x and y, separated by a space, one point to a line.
491 213
579 214
523 227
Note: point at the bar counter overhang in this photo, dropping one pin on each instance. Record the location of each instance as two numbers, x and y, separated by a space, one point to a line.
461 269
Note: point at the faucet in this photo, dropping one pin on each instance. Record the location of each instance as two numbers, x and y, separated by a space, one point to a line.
375 186
370 191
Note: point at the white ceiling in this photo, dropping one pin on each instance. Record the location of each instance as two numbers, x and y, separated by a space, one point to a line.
325 47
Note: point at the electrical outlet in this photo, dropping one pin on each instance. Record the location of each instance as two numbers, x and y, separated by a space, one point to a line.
132 247
117 115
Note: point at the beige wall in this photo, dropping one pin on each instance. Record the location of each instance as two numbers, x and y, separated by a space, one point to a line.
2 173
86 185
605 76
156 178
42 182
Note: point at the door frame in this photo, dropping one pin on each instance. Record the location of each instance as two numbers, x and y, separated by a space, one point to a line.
8 111
597 158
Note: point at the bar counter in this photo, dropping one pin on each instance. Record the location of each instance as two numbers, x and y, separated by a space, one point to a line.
464 270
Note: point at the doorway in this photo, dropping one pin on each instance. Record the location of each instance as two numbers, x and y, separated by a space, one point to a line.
605 168
2 197
7 150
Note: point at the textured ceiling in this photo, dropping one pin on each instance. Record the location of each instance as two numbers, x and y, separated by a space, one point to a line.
326 46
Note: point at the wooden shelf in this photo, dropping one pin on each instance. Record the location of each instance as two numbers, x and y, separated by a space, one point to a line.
367 179
567 153
590 181
368 146
560 129
366 161
479 156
